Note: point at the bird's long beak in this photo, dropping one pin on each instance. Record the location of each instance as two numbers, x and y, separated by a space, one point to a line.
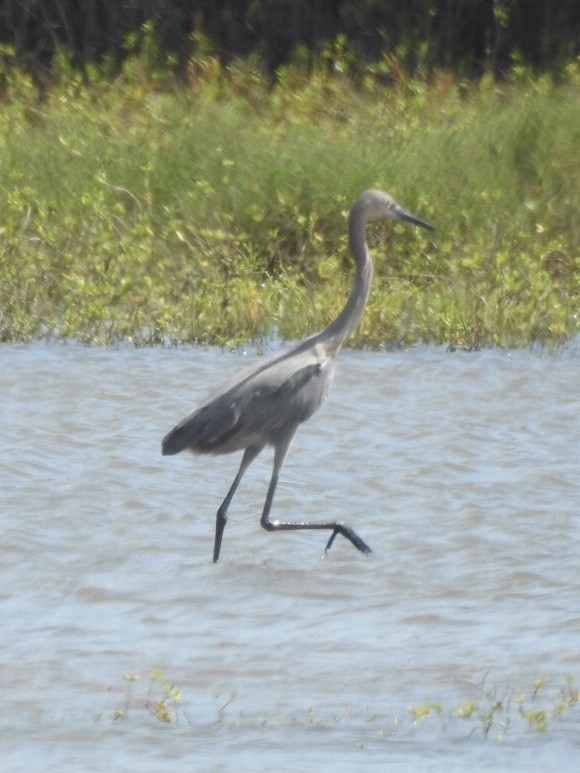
404 215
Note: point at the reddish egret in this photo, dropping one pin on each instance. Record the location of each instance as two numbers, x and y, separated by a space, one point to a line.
265 404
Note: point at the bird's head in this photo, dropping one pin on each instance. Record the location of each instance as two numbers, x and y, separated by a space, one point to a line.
374 204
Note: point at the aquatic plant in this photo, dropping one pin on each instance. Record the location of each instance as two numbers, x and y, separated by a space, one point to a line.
495 713
162 700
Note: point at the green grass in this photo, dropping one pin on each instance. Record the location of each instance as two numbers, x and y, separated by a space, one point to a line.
215 211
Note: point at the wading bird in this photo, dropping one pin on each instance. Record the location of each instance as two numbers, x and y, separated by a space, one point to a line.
264 404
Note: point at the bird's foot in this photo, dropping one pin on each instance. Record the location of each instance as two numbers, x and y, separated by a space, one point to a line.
350 535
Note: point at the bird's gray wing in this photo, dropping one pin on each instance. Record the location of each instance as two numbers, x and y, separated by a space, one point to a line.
274 404
202 430
255 411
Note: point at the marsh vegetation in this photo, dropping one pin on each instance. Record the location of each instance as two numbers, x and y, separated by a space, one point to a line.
213 210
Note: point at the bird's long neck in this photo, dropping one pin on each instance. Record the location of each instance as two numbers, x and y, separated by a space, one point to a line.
338 331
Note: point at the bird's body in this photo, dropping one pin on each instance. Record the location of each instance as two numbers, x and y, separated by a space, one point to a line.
246 411
265 404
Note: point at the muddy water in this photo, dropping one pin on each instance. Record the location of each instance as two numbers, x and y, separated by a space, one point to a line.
459 470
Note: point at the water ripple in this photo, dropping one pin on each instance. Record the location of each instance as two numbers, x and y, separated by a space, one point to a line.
461 472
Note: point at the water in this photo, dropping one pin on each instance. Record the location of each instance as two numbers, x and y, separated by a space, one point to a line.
460 471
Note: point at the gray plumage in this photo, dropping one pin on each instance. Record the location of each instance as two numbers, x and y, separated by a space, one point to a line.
265 404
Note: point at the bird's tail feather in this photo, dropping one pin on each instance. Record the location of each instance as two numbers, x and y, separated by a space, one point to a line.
177 440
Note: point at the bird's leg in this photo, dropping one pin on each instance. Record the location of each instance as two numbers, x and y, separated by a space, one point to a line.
221 517
336 528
